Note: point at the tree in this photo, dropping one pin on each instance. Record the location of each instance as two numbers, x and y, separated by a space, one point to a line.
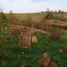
4 22
47 10
13 19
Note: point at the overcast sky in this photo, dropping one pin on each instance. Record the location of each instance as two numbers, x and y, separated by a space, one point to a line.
25 6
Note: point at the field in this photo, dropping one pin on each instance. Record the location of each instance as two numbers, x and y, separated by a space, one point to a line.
38 20
50 42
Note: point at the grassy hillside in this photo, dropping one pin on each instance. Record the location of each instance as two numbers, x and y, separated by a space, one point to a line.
13 56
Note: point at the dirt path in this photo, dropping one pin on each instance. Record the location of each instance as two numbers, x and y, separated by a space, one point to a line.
32 29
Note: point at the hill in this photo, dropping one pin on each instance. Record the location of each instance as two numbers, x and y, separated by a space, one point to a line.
13 56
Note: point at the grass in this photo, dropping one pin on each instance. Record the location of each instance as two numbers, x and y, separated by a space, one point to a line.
13 56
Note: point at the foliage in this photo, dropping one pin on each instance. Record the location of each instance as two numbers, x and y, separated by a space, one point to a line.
4 22
12 18
15 56
51 15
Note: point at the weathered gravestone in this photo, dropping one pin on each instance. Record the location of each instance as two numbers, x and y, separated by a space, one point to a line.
34 39
56 32
23 35
46 61
25 38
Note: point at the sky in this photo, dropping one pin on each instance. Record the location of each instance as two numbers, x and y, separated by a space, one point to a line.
27 6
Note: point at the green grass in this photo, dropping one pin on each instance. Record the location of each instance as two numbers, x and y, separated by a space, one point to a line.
12 55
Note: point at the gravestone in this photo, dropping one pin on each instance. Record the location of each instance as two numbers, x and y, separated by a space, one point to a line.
47 61
24 38
34 39
56 32
23 35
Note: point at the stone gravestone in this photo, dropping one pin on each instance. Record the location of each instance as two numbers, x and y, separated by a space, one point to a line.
23 35
56 32
25 38
34 39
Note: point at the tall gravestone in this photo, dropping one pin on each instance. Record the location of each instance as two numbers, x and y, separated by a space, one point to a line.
25 38
23 35
56 32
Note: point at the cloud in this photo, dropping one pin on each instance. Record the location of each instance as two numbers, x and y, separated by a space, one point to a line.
32 5
41 0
